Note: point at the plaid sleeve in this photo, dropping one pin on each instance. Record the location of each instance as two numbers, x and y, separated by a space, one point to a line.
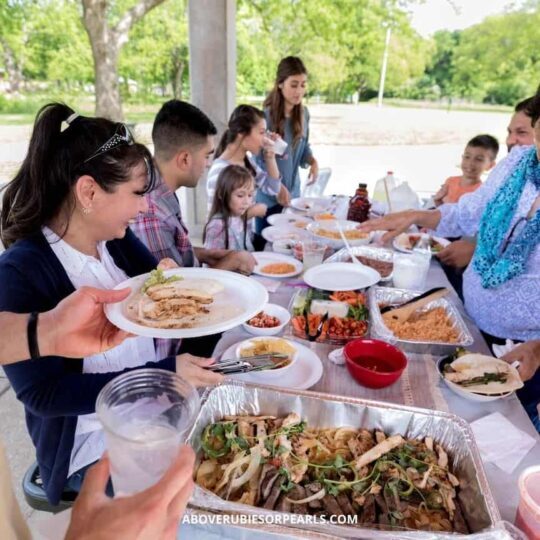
157 236
215 235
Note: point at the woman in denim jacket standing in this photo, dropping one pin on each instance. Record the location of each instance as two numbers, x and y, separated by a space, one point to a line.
286 116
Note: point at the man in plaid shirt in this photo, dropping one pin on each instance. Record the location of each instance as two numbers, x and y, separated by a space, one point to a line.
183 139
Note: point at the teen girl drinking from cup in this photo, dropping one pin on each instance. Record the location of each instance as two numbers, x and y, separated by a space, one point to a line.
246 136
287 117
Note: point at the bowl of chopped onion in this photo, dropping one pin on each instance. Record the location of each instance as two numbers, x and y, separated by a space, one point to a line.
269 322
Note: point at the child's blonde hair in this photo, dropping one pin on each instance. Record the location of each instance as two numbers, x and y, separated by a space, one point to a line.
230 178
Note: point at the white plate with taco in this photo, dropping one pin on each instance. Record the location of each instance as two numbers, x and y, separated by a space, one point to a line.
478 377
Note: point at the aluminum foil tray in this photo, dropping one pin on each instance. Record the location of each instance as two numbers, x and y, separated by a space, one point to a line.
324 410
380 254
378 330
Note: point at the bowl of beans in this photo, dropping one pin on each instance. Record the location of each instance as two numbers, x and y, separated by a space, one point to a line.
268 322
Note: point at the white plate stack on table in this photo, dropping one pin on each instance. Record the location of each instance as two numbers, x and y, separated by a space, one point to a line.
311 205
199 302
288 233
327 231
300 222
276 265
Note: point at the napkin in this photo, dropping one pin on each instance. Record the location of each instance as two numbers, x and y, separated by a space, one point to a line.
501 350
271 285
500 442
337 356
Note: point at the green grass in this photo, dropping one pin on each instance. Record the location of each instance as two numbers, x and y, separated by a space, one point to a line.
145 113
16 119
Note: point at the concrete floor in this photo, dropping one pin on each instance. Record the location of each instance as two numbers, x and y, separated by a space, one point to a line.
19 448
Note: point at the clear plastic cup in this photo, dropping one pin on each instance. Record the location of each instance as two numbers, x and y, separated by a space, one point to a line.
146 415
528 512
280 146
277 145
312 254
410 270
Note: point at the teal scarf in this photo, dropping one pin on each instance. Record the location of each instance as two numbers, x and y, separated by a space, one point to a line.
492 261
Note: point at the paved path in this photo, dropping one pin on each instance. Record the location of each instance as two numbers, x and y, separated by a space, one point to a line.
360 142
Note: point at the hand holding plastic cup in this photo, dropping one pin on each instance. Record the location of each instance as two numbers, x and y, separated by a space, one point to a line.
275 143
280 146
146 415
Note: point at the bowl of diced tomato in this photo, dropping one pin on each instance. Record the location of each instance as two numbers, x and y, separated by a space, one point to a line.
268 322
329 317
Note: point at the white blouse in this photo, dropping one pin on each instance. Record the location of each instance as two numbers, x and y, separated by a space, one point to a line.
85 270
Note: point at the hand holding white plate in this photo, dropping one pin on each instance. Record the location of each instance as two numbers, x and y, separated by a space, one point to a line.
239 298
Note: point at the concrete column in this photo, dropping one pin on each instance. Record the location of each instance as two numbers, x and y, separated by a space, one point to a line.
212 69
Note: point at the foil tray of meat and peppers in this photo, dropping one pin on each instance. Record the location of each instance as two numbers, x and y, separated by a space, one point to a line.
385 467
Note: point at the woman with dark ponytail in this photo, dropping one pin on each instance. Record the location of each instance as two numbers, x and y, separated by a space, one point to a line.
65 223
244 138
286 116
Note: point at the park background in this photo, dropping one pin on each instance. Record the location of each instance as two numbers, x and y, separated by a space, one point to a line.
455 69
452 72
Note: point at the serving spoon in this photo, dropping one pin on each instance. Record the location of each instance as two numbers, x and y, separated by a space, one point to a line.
346 242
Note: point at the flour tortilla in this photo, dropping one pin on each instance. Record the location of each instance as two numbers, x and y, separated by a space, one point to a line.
469 366
199 288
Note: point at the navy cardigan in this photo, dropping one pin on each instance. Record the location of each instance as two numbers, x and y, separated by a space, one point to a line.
53 389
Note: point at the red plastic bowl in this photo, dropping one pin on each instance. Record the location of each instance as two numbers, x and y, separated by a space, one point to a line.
374 363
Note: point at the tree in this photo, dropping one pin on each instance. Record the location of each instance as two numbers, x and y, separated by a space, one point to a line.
12 40
157 51
106 39
497 60
440 70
